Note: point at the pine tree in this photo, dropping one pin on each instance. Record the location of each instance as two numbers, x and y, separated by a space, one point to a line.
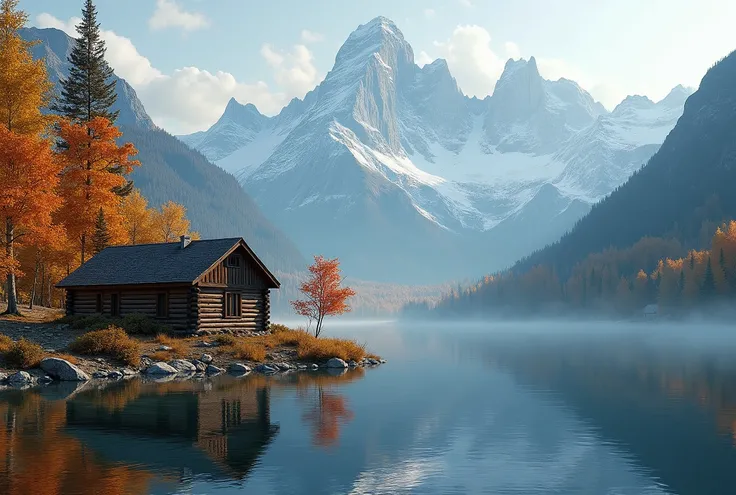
101 236
708 289
88 92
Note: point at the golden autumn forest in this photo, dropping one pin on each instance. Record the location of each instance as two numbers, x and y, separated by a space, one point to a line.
616 281
65 193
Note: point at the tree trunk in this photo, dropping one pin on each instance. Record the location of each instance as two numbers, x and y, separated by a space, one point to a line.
35 282
11 291
43 279
84 242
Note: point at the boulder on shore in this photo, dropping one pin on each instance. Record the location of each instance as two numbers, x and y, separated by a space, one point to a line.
183 366
206 358
336 363
213 370
20 379
238 368
63 370
160 368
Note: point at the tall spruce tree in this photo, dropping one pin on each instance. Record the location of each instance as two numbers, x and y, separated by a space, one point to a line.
101 236
88 92
708 289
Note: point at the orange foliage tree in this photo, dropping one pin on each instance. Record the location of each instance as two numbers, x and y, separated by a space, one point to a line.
29 176
94 168
324 294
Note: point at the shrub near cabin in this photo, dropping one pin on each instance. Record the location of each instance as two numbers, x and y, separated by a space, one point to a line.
188 285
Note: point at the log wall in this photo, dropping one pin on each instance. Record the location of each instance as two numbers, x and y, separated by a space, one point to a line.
209 305
135 301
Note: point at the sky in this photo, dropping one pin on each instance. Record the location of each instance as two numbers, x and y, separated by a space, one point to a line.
187 58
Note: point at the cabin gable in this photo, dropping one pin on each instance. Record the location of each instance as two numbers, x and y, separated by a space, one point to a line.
237 268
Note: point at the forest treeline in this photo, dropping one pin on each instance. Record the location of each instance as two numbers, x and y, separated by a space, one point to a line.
614 282
64 166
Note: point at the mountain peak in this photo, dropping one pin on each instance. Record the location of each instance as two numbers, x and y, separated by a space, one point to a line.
517 70
238 112
677 96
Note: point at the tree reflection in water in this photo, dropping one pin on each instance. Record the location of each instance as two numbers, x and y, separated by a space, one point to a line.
138 437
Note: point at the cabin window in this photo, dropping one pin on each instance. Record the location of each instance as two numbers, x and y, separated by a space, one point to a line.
114 304
232 304
233 261
98 304
162 305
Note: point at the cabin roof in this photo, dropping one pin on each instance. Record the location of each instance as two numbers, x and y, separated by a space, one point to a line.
166 263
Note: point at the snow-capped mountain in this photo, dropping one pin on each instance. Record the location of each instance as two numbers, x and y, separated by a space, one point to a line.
392 168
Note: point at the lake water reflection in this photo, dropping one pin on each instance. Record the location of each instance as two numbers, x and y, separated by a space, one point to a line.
523 409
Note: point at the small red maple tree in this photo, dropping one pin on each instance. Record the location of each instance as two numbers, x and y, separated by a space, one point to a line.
324 293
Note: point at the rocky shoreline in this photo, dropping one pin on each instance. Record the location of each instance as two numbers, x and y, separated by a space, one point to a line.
53 369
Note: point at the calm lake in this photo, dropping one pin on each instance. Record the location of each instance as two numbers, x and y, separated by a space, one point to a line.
496 408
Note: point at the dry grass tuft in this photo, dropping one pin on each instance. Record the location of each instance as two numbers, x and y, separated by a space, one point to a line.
226 339
161 356
324 349
178 346
24 354
5 343
250 351
112 341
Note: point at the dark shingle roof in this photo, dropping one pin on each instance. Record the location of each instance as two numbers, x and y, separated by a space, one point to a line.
155 264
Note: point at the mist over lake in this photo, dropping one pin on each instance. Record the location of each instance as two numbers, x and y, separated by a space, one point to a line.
533 407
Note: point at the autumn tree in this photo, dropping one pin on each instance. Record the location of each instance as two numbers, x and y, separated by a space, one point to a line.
324 293
137 219
170 222
29 176
101 236
28 172
92 164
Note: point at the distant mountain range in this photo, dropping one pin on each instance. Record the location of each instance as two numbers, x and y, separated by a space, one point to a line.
685 191
392 168
215 202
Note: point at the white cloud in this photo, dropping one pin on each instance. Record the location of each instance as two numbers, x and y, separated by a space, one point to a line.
512 50
466 3
190 99
429 13
169 14
294 71
311 36
423 59
45 20
471 60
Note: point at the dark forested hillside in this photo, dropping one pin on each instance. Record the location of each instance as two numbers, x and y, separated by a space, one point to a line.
216 204
684 192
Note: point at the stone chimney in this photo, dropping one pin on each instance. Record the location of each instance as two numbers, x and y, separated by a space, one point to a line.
185 241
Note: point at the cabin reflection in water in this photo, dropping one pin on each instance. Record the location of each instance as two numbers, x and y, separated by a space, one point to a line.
190 430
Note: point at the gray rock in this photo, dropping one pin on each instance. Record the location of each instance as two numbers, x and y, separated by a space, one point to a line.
63 370
283 366
265 368
199 365
45 380
238 368
206 359
160 368
100 374
373 362
353 364
115 375
336 363
382 361
20 379
313 366
213 370
3 377
127 372
164 348
182 365
204 343
301 366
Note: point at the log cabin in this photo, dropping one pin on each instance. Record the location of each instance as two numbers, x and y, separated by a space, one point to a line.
188 285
